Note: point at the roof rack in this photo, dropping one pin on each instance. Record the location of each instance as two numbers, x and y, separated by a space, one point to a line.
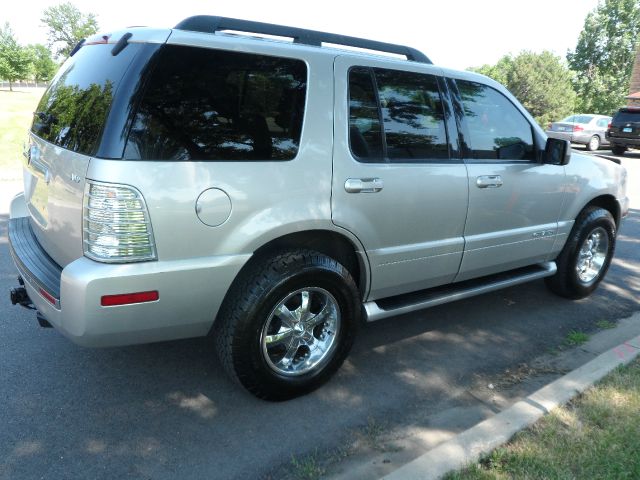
211 24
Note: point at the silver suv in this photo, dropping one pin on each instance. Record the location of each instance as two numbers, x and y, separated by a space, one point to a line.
273 195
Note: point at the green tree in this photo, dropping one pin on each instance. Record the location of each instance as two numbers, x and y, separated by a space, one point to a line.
67 26
15 60
540 81
603 58
43 67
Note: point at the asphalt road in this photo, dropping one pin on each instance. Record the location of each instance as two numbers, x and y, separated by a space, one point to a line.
166 411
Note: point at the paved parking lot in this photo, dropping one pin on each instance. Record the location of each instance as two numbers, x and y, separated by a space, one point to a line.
167 411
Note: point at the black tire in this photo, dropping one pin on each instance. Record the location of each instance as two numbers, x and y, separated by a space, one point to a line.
618 149
241 325
594 143
567 281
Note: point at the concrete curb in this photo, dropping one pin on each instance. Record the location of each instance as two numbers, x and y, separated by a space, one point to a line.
469 445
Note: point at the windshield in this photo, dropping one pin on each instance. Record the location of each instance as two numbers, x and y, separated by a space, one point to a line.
73 110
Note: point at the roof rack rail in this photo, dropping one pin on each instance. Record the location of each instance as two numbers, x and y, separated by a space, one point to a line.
212 24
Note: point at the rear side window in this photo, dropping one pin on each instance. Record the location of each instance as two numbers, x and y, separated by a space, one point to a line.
73 111
203 104
365 133
412 114
495 128
409 108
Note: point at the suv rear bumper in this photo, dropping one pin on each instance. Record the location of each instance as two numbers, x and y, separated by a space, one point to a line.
190 293
624 141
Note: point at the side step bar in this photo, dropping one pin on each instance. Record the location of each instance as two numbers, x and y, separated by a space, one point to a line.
411 302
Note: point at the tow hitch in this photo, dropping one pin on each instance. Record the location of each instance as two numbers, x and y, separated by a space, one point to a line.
19 296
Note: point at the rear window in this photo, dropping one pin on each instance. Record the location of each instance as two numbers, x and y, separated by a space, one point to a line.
203 104
584 119
73 111
627 116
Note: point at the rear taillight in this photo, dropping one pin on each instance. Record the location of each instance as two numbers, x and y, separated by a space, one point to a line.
609 127
116 224
577 128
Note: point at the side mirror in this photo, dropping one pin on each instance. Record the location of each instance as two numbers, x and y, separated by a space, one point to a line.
557 152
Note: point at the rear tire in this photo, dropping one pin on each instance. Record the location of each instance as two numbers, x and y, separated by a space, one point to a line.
594 143
288 324
618 150
585 258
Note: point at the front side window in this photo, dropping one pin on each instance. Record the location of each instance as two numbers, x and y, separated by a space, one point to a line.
495 128
203 104
409 108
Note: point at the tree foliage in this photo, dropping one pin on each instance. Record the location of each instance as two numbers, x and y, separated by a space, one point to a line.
604 56
540 81
43 66
67 26
15 60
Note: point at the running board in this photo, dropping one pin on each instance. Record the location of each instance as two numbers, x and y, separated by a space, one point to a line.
411 302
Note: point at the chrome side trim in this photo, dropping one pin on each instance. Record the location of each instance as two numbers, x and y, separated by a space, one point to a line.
374 312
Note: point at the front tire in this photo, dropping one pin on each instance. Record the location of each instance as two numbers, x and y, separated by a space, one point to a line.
586 256
594 143
288 324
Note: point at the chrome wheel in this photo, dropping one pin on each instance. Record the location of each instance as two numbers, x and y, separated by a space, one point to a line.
300 333
592 255
594 143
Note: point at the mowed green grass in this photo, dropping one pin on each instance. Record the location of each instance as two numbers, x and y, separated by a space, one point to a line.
16 114
596 436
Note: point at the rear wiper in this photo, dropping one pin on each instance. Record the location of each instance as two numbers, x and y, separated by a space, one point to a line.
46 117
122 43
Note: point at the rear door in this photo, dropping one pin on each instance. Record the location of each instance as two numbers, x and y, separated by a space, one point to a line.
514 201
398 183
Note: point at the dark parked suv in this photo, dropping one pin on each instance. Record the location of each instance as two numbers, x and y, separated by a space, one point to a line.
624 131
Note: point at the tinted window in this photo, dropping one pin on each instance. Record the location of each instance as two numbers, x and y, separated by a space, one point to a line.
411 111
412 114
204 104
495 127
625 116
603 122
73 111
365 136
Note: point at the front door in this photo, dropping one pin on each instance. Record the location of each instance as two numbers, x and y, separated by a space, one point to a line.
514 201
395 183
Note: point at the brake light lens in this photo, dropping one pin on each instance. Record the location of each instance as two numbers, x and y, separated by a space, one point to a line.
578 128
116 224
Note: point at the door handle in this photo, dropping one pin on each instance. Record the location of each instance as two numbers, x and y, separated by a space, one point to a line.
363 185
489 181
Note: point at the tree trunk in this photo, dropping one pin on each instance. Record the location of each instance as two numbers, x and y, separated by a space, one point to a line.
10 87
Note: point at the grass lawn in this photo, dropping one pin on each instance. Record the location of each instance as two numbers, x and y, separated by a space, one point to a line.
596 436
16 113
